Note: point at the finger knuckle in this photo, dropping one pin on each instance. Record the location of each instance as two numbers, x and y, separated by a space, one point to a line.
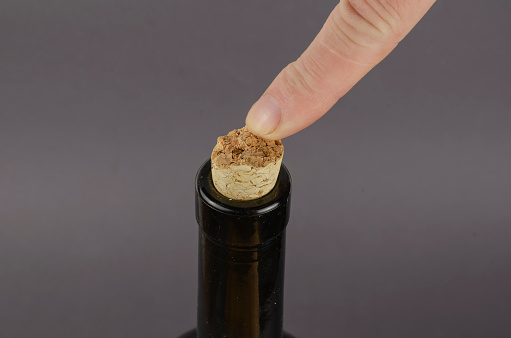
376 22
301 79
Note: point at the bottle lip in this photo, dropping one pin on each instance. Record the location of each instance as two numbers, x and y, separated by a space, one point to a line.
205 190
241 224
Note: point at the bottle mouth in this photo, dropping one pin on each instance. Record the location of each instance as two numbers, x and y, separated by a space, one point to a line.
206 190
241 223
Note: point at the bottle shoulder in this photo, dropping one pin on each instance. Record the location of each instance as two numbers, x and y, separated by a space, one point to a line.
193 334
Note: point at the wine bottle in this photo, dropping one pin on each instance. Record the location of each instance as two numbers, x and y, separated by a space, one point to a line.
241 261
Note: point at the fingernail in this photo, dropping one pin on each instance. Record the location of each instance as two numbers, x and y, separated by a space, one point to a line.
264 116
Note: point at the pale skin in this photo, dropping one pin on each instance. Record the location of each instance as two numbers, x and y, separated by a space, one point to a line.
357 35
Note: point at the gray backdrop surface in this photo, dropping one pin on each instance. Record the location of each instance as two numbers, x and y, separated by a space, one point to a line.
108 108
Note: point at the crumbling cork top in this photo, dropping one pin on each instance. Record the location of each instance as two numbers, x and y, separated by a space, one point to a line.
245 166
241 147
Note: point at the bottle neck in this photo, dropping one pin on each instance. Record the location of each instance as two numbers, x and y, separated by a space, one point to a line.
241 260
240 289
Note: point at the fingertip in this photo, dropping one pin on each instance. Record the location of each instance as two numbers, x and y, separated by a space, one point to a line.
264 118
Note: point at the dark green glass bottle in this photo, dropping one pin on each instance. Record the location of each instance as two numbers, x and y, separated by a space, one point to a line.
241 261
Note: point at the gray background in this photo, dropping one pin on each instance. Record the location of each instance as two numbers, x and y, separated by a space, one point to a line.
108 108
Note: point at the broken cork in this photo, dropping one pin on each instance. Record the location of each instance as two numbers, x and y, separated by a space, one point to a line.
245 166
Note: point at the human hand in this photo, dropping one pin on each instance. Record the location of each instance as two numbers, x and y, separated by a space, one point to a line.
357 35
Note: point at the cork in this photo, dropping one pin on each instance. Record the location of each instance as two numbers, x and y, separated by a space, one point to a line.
245 166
